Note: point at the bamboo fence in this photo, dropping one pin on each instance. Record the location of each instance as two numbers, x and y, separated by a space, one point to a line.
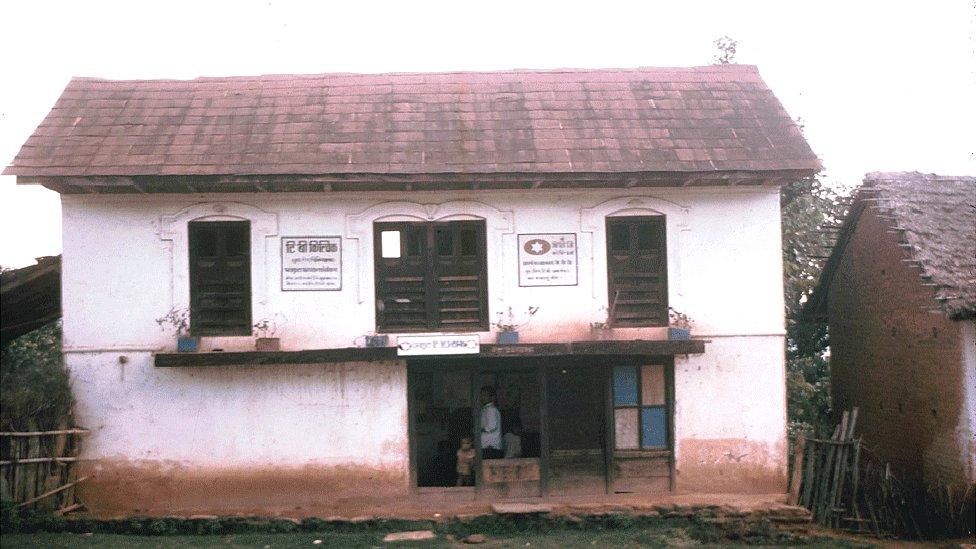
37 469
826 474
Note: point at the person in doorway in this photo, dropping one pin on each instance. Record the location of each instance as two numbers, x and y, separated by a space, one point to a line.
513 441
465 463
491 425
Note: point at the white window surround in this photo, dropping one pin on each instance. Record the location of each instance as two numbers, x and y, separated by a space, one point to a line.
593 225
359 227
264 226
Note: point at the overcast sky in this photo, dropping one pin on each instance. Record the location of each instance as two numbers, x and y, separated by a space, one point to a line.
879 85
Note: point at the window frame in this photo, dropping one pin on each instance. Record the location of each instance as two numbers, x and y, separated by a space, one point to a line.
205 330
429 255
666 406
632 221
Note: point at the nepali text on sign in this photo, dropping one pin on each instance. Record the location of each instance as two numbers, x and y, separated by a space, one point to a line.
311 263
547 259
441 344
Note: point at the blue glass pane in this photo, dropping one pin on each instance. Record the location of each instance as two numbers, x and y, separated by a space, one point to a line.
624 386
654 432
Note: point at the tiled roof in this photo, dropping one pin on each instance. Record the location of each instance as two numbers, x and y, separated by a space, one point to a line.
699 119
936 217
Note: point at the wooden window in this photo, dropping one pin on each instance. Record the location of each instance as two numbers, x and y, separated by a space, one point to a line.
640 409
637 271
431 276
220 278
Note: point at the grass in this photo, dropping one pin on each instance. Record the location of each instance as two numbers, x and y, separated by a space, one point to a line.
648 536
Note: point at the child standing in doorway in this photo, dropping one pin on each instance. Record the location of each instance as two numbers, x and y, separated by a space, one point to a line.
465 463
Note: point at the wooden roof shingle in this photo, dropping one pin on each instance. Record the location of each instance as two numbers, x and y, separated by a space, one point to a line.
699 119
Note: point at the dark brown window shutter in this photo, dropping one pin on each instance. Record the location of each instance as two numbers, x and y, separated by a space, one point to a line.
439 281
220 278
637 270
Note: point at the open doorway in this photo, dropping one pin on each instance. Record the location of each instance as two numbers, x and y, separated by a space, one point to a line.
446 412
513 469
441 417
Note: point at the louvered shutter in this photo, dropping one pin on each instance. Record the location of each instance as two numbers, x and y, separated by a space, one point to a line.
637 270
436 282
220 278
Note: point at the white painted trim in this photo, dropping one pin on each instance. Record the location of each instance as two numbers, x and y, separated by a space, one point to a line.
264 226
359 228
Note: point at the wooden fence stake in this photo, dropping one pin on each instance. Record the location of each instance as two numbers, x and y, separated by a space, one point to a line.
797 477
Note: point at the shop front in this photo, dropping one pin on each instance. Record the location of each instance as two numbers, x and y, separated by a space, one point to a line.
512 422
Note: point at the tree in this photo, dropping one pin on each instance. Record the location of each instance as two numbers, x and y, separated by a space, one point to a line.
811 214
726 50
34 390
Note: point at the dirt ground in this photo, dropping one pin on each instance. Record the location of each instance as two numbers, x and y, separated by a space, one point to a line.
627 538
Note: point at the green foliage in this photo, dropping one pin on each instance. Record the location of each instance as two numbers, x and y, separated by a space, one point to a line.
34 389
810 211
726 50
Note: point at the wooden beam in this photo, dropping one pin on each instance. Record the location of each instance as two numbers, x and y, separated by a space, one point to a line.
51 492
45 433
432 181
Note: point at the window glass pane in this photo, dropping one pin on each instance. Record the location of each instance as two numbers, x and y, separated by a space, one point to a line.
238 240
624 386
205 239
626 428
415 242
445 242
647 235
619 236
390 244
469 242
653 427
652 385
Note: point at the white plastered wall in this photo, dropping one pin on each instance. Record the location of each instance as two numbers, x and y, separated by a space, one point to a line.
125 266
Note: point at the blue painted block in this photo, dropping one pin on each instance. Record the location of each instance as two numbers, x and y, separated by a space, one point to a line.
654 428
679 334
187 344
624 386
507 338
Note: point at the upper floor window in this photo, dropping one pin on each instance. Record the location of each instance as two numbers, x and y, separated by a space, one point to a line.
637 271
431 276
220 278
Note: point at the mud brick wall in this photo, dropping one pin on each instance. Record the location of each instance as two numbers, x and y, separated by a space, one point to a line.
895 358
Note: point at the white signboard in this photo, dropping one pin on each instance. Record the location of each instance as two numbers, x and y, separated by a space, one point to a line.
443 344
311 263
547 259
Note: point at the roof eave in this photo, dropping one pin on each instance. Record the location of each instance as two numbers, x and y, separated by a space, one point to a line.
196 183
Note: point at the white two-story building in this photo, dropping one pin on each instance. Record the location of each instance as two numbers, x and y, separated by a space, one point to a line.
386 228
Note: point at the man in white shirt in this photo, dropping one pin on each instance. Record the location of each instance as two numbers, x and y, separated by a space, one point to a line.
491 425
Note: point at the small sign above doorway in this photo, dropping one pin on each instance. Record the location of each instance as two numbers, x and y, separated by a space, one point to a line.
441 344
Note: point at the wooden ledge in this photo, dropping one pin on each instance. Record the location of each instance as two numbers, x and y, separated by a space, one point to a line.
377 354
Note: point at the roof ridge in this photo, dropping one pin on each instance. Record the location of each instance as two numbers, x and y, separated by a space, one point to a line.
891 176
725 68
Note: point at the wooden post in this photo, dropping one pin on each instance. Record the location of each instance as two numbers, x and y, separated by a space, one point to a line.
797 477
544 448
